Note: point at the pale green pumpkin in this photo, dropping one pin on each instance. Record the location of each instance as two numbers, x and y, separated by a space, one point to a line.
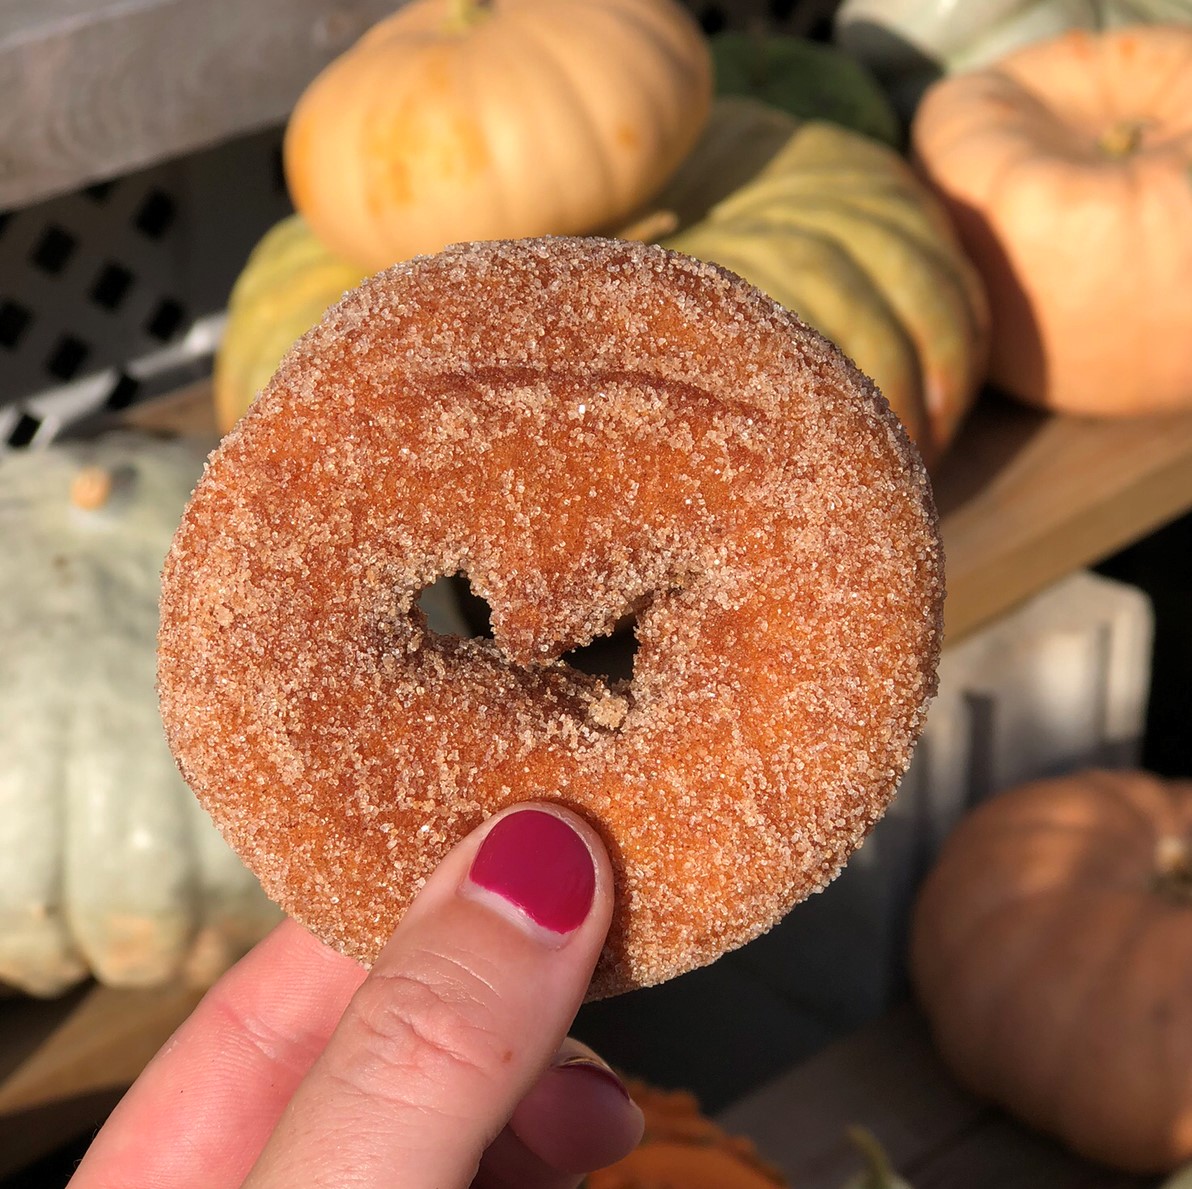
108 866
838 228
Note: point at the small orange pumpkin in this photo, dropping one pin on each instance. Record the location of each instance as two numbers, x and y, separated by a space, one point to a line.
489 119
1052 951
683 1149
1067 168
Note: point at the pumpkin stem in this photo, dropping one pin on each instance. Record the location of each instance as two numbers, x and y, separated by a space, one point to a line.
1122 139
1173 867
463 15
91 488
879 1174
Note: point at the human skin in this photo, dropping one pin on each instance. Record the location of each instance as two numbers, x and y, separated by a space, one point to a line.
446 1066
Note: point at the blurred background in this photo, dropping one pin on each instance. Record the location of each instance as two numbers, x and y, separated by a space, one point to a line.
153 269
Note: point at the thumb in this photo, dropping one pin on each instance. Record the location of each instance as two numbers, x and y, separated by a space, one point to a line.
462 1012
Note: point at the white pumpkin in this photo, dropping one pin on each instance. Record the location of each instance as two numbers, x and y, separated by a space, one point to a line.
910 43
108 866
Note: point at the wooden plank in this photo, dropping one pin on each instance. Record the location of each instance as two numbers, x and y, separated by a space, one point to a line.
1026 499
99 1039
996 1153
95 88
884 1077
64 1063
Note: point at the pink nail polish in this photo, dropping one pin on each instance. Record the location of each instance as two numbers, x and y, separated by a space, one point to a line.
538 863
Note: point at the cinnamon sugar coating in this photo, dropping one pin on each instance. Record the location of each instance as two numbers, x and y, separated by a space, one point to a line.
586 428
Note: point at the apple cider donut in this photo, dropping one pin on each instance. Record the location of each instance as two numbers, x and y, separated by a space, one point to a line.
587 429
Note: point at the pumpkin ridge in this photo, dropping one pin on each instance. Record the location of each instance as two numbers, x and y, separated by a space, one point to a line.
1042 828
813 179
910 237
1117 972
646 22
497 186
979 923
1176 1054
943 363
1116 791
911 219
804 307
1115 961
530 36
1173 93
984 1066
1044 824
1037 117
1036 103
614 20
38 952
1161 83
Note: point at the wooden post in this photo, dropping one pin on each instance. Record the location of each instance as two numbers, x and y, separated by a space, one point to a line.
95 88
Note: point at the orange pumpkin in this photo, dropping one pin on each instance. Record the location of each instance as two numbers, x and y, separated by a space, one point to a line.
481 119
1067 168
1052 951
683 1149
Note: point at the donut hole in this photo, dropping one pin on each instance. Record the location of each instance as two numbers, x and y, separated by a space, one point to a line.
453 608
609 657
609 660
473 608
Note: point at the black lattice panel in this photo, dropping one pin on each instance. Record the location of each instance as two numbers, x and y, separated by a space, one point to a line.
115 292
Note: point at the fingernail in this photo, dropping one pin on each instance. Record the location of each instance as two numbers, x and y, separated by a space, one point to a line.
540 865
594 1067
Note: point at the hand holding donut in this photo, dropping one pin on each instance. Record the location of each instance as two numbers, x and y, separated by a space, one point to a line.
443 1068
589 430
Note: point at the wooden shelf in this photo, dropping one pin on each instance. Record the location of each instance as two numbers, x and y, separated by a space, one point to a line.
1024 498
1027 498
64 1063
